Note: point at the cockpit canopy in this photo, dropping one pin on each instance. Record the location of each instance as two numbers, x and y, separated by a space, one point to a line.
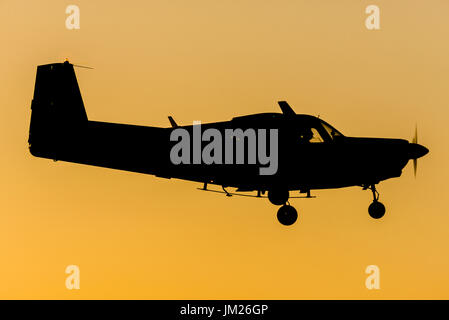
309 128
314 130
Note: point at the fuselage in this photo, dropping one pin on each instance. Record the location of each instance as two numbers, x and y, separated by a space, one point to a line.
331 162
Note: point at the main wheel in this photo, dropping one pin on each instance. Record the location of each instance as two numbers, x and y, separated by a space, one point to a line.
376 210
278 196
287 215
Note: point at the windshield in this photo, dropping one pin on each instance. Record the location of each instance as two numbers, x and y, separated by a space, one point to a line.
330 130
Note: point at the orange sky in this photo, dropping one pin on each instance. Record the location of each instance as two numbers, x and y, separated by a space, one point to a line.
137 236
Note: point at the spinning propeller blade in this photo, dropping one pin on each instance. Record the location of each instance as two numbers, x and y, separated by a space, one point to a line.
415 140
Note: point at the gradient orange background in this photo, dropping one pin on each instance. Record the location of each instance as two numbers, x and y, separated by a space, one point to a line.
137 236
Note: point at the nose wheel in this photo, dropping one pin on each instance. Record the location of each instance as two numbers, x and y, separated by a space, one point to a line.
376 209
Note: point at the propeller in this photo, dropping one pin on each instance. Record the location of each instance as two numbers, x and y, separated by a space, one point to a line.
415 140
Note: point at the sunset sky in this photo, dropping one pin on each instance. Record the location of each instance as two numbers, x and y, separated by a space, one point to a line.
136 236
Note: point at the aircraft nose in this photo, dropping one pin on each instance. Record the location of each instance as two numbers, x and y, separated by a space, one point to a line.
416 151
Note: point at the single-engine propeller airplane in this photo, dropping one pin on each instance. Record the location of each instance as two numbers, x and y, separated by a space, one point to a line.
310 153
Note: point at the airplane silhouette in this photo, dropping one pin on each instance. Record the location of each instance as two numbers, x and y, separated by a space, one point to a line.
311 154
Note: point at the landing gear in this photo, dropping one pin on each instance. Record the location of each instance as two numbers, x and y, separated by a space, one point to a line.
278 196
376 209
287 215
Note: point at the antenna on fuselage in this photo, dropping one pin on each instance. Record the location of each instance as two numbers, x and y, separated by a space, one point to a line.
172 122
286 109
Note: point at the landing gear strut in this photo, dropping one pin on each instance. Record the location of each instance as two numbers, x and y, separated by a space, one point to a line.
376 209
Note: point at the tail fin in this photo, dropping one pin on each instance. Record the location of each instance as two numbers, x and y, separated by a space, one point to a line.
58 114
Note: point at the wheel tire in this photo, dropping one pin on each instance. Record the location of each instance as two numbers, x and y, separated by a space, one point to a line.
278 196
376 210
287 215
